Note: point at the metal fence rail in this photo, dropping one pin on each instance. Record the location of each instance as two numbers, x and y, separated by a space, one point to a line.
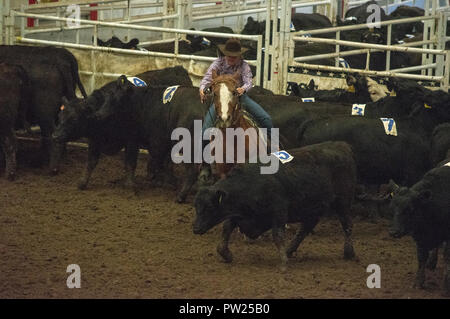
96 24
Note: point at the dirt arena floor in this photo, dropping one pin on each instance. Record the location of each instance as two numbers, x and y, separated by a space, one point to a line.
142 246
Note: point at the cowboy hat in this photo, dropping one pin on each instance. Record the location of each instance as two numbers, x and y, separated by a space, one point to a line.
232 48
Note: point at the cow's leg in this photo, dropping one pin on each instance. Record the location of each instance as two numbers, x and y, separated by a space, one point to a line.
190 176
93 157
223 250
422 257
155 165
131 154
432 259
56 154
305 228
278 234
342 209
9 145
447 268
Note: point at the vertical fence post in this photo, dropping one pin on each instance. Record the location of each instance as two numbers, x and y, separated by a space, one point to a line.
2 13
285 44
445 82
259 60
388 53
267 48
441 37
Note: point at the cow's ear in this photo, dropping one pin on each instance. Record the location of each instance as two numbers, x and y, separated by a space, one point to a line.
221 195
250 19
351 80
64 100
121 80
425 196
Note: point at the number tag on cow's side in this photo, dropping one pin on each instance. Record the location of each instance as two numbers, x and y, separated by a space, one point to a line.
448 164
206 42
136 81
168 93
389 126
292 27
358 109
344 63
283 156
308 99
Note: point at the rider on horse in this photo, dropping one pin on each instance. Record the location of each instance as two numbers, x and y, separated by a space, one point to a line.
230 63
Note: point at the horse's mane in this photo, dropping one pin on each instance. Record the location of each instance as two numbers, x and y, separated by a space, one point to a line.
225 78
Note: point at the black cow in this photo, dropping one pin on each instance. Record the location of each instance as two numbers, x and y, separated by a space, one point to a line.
357 92
380 157
115 42
409 12
58 57
78 119
361 13
320 178
440 143
184 47
422 211
288 112
14 86
53 73
301 21
197 40
168 76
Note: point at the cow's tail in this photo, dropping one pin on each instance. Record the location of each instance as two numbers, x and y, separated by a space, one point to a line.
302 128
76 76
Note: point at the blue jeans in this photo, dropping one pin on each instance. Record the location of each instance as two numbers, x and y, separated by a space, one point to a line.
257 112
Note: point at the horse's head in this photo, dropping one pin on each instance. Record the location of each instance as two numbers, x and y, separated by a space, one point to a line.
226 98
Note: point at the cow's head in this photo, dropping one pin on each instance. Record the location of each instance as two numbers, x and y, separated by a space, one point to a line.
252 27
226 98
116 100
209 209
406 205
374 36
72 120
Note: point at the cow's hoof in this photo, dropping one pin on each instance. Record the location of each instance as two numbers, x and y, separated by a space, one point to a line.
349 253
82 186
180 199
54 172
225 253
291 252
419 284
432 262
11 176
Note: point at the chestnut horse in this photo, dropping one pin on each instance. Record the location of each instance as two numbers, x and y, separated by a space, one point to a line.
229 114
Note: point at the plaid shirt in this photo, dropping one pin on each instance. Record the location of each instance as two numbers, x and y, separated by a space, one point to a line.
221 67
